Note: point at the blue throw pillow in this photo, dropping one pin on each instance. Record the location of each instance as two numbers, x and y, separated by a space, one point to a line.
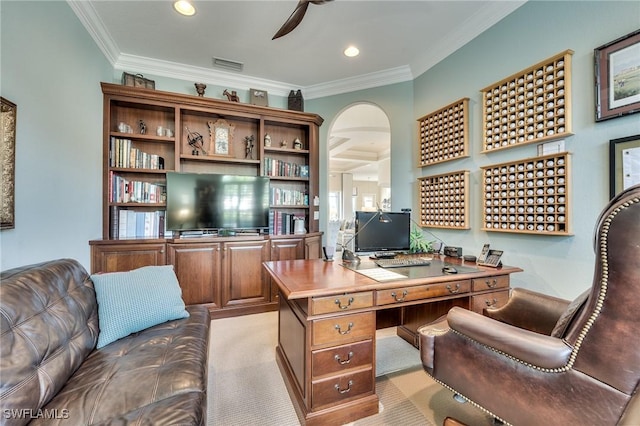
129 302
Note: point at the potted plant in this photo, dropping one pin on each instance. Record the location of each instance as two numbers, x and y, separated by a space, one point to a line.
418 243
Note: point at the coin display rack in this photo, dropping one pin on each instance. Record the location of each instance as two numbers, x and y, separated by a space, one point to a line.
528 196
444 134
444 200
531 106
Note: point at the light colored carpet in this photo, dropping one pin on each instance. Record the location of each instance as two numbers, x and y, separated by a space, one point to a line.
246 389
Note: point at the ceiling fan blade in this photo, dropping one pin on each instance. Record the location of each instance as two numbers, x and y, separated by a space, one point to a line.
294 20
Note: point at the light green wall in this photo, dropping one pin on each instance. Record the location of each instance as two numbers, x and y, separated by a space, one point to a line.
50 68
561 266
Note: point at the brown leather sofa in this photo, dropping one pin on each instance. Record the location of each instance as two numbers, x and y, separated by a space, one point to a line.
51 373
540 360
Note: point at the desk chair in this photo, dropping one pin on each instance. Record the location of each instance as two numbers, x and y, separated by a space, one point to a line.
540 360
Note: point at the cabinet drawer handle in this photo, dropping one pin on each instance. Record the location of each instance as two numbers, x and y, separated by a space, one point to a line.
347 331
490 303
491 284
339 303
452 290
344 361
337 386
400 299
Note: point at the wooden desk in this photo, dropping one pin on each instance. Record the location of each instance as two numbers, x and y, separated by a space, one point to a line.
328 317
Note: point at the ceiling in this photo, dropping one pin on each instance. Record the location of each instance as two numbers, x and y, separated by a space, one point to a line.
398 41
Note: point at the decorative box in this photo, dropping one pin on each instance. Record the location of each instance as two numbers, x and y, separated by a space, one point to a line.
137 80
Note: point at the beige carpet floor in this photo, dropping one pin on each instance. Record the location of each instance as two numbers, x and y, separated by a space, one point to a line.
246 388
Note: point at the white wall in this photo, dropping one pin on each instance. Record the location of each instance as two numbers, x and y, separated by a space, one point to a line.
51 68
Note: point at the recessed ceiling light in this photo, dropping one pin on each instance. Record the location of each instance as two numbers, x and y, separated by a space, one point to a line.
184 7
351 51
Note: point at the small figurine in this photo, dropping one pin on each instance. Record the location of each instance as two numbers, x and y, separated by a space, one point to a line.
200 88
297 144
233 96
283 144
142 126
267 140
248 140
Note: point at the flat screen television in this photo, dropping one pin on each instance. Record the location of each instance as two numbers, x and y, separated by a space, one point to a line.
372 235
199 202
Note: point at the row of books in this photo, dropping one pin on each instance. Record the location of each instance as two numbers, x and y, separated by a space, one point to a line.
122 154
288 197
275 167
281 223
134 224
123 190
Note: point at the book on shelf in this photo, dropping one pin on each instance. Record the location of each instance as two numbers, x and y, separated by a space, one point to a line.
282 223
279 168
127 223
123 155
122 190
288 197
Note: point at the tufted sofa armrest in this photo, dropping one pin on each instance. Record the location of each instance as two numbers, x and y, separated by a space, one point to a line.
530 310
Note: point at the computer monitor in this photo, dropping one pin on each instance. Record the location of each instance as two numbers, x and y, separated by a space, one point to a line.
372 235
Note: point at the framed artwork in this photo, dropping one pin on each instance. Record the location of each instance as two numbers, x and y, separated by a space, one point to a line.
617 72
220 136
624 164
8 116
258 97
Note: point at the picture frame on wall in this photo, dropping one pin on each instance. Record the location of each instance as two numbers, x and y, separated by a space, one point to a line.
617 75
8 121
624 164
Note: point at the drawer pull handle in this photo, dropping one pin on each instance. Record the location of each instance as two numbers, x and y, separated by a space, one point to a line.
490 303
347 331
344 361
337 386
400 299
452 290
491 284
339 303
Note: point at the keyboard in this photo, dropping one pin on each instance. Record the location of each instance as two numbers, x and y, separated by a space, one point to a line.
401 263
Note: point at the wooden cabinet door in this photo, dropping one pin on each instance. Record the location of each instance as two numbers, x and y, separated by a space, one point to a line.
313 248
125 257
287 249
198 268
245 281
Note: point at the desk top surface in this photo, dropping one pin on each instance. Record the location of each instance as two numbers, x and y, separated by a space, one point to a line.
308 278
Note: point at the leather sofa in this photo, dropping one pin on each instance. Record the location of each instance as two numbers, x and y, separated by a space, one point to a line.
541 360
52 373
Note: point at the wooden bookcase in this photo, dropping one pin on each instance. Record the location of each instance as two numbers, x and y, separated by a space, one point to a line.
292 168
223 273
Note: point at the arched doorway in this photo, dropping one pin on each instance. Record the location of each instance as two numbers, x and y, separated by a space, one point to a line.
359 161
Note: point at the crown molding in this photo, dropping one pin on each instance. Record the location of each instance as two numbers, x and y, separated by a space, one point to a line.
485 18
474 26
87 15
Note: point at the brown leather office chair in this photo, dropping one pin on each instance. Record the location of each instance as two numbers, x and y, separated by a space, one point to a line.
540 360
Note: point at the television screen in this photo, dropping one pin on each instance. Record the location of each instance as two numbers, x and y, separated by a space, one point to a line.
372 235
198 201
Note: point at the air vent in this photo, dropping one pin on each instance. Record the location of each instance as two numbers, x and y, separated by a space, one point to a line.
227 64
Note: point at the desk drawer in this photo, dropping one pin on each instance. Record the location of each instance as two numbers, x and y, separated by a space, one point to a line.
343 329
341 358
489 283
339 389
341 303
495 299
407 294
